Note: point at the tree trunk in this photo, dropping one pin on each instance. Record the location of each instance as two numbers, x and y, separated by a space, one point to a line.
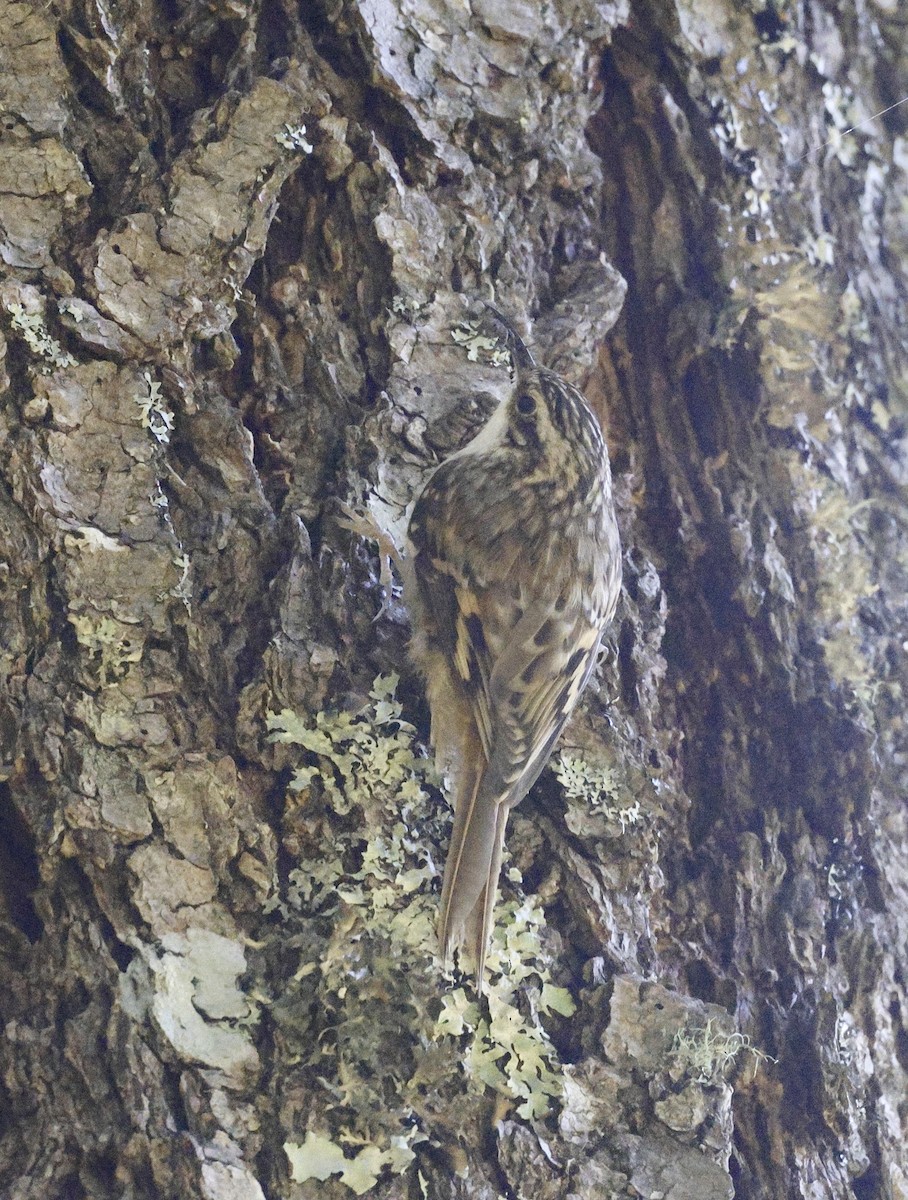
245 249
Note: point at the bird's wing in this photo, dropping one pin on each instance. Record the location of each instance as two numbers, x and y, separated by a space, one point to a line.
518 664
523 672
537 680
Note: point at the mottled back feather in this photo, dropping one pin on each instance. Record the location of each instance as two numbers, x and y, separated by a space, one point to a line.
517 563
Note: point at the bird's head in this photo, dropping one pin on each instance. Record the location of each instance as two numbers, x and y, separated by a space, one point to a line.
547 418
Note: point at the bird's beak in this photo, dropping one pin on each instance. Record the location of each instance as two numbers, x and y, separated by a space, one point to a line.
521 357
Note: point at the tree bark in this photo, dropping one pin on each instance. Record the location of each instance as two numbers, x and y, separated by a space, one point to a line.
244 250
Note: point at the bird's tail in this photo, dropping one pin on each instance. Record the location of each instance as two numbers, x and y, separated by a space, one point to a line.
485 909
473 864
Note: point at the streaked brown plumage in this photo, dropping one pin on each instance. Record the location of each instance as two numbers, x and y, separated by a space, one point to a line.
517 561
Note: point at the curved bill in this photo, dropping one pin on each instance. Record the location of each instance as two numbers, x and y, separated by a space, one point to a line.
522 358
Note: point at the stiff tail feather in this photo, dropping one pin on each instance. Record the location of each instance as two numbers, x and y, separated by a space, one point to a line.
464 876
485 911
472 867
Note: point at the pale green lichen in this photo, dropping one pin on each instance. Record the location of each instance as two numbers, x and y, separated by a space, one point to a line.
377 878
593 791
233 287
319 1158
479 346
510 1049
39 341
293 137
776 300
704 1054
407 307
183 588
155 416
71 309
366 758
840 104
374 877
853 322
111 643
197 1003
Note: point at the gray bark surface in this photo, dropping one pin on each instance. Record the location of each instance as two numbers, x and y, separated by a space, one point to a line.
243 249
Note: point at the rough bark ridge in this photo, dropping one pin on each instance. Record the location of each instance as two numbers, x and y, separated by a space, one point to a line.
243 246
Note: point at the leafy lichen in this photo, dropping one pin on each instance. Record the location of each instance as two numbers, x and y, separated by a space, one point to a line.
376 876
510 1049
593 793
372 877
480 346
155 416
293 137
367 759
110 643
319 1157
36 336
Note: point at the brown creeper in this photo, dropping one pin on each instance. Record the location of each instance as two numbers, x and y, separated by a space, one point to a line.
517 560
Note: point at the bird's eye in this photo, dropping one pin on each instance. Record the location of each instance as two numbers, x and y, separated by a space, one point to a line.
526 405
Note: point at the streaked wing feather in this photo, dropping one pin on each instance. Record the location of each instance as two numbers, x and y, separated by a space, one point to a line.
520 703
535 690
518 692
449 608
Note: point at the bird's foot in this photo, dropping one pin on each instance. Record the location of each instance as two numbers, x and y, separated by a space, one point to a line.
364 525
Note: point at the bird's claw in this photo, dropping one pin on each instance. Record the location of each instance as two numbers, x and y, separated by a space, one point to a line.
364 525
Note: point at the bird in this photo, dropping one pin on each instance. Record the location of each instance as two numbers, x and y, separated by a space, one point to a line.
515 556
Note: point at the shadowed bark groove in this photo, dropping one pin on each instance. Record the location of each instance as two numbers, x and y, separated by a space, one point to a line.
244 249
